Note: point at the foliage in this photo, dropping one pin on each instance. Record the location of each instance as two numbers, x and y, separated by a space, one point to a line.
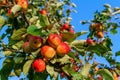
26 19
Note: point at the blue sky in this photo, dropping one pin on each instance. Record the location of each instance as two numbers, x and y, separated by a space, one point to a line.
85 10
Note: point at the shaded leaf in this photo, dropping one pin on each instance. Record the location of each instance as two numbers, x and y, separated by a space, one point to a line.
18 45
117 53
17 35
27 66
107 75
117 70
113 31
78 34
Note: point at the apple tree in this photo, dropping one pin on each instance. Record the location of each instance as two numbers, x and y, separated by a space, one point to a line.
41 41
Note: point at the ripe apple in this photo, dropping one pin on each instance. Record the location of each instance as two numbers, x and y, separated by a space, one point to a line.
99 77
99 34
35 41
54 40
26 47
3 2
116 77
89 41
62 49
23 4
72 30
38 65
48 52
43 12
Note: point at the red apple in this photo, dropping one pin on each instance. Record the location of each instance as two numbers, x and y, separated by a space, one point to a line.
99 77
23 4
62 49
72 30
66 26
38 65
48 52
54 40
43 12
26 47
89 41
35 41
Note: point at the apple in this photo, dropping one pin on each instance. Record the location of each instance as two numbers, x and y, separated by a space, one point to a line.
26 47
3 2
72 30
38 65
43 12
116 77
54 40
99 77
23 4
35 41
99 34
48 52
62 74
89 41
96 26
62 49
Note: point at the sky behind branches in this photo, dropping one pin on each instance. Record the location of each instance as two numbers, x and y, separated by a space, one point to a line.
85 11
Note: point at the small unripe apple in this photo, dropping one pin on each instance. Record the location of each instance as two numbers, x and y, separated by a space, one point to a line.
99 34
62 49
23 4
43 12
96 26
38 65
48 52
35 41
89 41
54 40
26 47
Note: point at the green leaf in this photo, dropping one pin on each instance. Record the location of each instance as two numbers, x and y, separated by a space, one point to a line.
16 8
7 67
45 19
65 59
34 30
17 35
77 76
107 75
68 36
18 45
117 53
27 66
85 70
78 34
113 31
50 70
2 21
98 49
117 70
18 59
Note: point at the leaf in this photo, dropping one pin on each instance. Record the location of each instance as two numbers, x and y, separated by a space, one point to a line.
18 45
85 70
50 70
45 19
107 75
16 8
98 48
6 68
34 30
117 53
77 76
7 53
2 21
18 59
27 66
78 34
113 31
17 35
68 36
117 71
65 59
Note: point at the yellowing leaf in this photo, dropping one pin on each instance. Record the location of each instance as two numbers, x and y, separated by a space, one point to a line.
2 21
27 66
